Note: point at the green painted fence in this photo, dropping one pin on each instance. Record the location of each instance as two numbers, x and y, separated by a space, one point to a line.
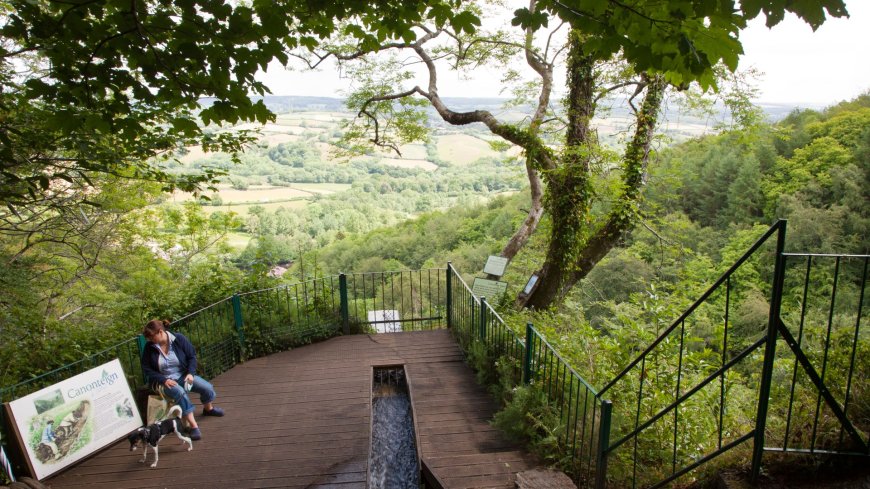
634 430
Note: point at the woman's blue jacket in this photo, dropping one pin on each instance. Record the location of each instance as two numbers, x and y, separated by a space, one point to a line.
151 357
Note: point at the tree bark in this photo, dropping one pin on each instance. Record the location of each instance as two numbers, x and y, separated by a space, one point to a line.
574 248
527 228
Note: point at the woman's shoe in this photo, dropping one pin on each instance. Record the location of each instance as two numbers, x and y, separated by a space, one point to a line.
215 411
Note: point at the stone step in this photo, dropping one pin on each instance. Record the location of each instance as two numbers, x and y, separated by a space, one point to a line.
544 479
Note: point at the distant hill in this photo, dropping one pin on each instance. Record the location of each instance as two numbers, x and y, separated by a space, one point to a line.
287 103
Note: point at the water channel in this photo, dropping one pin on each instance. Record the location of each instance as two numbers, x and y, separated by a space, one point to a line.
393 458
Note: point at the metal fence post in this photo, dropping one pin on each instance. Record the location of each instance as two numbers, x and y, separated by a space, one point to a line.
344 307
527 358
603 444
449 295
769 353
470 324
483 319
140 343
239 323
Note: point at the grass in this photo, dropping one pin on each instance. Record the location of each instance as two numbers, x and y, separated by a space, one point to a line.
312 116
462 149
238 241
413 151
232 196
274 139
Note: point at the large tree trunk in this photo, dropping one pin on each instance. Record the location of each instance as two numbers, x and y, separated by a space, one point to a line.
568 186
574 248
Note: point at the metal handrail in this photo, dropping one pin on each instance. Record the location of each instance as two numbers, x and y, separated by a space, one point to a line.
586 435
725 276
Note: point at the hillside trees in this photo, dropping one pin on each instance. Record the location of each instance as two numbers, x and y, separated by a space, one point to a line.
635 49
95 97
108 85
816 180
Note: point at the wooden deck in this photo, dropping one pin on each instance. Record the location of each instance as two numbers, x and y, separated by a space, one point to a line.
300 419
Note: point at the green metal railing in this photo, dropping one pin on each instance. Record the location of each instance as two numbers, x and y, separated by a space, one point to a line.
261 322
825 357
287 316
214 332
584 418
689 370
398 301
705 365
126 351
693 371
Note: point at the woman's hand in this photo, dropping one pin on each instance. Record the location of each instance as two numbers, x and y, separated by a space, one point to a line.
188 379
170 383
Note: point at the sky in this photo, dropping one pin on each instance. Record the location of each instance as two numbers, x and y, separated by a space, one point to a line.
799 66
813 68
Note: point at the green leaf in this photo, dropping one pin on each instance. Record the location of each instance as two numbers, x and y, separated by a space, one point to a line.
465 22
529 20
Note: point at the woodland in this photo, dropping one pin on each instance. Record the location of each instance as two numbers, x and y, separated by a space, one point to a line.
706 200
622 232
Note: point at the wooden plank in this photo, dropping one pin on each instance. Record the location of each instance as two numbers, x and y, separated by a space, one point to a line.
300 419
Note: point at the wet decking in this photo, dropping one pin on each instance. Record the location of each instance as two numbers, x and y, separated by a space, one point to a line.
300 419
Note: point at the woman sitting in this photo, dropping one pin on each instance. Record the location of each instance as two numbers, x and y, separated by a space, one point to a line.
169 360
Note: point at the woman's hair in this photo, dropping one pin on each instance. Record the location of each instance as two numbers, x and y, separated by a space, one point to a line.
154 326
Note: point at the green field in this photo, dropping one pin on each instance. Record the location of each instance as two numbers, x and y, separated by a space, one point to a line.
319 129
462 149
238 240
263 194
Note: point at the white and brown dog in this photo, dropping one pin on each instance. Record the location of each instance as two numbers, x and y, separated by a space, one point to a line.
152 434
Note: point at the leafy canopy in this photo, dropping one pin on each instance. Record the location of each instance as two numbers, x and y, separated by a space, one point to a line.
684 39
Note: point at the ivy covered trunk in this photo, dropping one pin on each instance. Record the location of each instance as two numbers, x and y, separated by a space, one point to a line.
578 240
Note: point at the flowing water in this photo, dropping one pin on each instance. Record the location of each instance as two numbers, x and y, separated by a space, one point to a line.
393 462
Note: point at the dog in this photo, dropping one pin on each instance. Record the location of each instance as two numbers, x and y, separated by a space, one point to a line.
152 434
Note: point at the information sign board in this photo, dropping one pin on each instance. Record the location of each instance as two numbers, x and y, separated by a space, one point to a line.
385 321
495 265
68 421
491 289
530 285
